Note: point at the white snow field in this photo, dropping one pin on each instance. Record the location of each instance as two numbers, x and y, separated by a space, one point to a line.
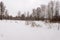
20 30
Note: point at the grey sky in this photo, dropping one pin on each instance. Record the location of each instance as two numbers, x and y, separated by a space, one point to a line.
14 6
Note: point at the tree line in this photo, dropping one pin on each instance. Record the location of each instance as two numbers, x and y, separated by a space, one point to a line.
49 12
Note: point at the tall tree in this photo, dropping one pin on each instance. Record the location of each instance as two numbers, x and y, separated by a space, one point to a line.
2 9
57 8
38 12
43 11
34 13
50 9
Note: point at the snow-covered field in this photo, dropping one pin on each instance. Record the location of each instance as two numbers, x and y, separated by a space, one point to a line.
20 30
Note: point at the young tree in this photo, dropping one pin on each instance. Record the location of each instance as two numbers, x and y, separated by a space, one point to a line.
19 13
28 17
27 14
6 14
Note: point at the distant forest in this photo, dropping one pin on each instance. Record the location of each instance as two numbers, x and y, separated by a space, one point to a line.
49 12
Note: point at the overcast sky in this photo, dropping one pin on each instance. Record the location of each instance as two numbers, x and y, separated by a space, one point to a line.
14 6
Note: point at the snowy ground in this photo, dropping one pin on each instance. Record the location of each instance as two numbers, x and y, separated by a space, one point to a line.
20 30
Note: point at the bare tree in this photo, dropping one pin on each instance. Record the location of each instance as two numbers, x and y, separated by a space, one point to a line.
50 9
57 9
28 16
43 11
34 13
38 12
6 13
19 13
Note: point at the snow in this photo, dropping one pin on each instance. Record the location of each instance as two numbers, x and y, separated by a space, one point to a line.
19 30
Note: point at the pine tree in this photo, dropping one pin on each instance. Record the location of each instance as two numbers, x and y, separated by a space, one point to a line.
2 10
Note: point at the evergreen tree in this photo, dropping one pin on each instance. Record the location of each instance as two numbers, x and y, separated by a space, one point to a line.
2 10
